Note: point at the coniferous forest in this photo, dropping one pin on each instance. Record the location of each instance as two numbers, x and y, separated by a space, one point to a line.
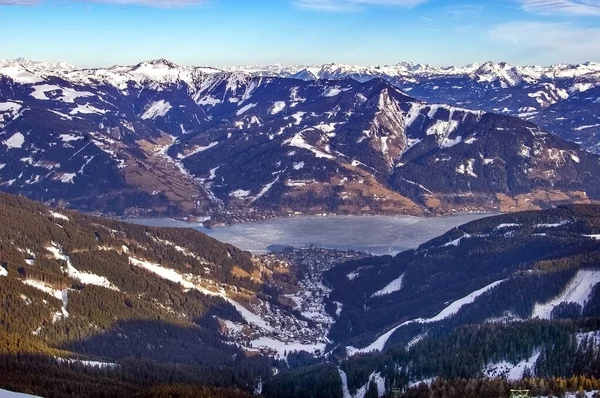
131 333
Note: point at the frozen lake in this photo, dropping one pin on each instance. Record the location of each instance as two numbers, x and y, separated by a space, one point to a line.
373 234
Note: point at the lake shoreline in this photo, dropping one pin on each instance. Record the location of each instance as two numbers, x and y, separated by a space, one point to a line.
373 234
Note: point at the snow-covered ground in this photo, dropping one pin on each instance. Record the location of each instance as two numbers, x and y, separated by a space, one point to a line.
87 278
577 291
511 371
391 287
447 312
90 364
10 394
362 391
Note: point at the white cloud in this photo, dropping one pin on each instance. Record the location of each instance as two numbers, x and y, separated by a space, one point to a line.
18 2
572 7
354 5
152 3
149 3
556 42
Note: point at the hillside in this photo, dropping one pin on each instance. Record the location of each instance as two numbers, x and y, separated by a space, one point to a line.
104 308
562 99
162 139
490 302
137 307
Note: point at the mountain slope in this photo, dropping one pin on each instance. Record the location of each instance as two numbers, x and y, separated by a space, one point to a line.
539 94
171 140
472 274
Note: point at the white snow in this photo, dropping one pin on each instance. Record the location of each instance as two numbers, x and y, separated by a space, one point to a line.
156 109
553 225
467 169
3 271
298 166
593 336
456 242
447 312
59 216
62 295
102 365
165 273
352 275
332 92
9 106
265 189
280 347
239 194
19 74
186 282
277 107
298 141
506 225
86 109
453 308
70 137
15 141
209 100
597 236
10 394
298 117
391 287
362 391
578 290
512 371
67 178
198 150
87 278
66 94
245 109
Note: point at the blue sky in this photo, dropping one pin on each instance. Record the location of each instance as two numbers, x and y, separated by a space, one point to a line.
233 32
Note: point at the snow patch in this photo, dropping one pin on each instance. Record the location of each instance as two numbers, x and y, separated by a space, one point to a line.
87 278
245 109
578 290
15 141
447 312
512 371
277 107
240 194
156 109
59 216
391 287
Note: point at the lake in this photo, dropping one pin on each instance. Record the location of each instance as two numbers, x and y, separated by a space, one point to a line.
373 234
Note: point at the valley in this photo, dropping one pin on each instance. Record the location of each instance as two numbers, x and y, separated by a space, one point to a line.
97 292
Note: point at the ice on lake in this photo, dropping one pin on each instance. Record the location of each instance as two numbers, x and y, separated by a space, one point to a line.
373 234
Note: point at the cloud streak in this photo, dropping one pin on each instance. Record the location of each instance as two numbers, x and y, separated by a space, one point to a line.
571 7
148 3
18 2
354 5
554 41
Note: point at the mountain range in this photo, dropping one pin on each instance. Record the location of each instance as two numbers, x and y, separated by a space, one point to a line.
246 143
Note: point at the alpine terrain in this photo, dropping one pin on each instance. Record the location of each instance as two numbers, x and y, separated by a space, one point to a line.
97 307
162 139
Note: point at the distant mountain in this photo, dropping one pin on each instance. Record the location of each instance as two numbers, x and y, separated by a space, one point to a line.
168 140
562 99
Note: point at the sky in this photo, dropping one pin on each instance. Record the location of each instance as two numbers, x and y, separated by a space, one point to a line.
220 33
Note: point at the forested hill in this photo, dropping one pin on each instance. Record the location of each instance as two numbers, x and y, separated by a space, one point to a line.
127 307
504 297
